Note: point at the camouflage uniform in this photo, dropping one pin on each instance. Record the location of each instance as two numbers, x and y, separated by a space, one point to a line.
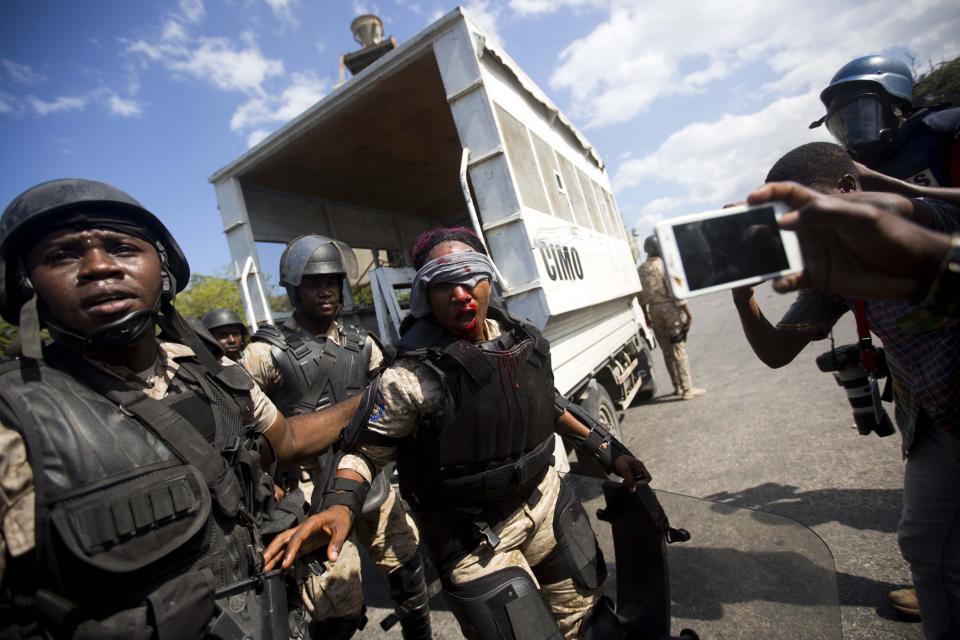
389 534
16 478
667 317
410 390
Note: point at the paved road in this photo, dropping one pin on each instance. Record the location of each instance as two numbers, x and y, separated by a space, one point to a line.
782 441
776 440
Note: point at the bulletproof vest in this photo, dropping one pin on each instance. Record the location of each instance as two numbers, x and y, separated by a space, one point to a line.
316 372
126 527
922 148
493 439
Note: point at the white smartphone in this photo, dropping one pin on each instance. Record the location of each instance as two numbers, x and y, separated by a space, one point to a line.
733 247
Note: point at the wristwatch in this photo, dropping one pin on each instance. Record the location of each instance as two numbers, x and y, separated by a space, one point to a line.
943 297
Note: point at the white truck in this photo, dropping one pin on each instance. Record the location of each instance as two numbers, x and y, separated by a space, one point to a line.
448 130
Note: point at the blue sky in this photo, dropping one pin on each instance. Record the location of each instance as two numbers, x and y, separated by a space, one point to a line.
688 102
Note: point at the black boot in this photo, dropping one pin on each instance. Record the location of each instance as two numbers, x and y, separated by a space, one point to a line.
408 589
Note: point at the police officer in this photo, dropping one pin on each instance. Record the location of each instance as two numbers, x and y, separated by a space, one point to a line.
229 330
133 484
669 318
313 360
470 410
870 112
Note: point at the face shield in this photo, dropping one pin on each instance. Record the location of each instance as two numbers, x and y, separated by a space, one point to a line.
863 123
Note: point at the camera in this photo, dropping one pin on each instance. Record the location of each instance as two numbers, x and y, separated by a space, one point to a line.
846 364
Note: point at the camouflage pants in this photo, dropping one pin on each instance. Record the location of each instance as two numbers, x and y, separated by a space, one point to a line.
391 539
526 537
668 323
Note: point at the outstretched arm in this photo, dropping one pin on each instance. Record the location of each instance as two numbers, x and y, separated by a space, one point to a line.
304 437
775 346
875 181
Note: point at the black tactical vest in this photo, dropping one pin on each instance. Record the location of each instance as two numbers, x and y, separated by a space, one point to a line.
316 372
494 438
923 148
130 537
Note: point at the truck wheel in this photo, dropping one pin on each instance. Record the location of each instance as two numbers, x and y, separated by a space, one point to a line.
608 415
649 387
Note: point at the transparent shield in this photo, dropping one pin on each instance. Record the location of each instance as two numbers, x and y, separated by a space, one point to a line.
858 121
743 573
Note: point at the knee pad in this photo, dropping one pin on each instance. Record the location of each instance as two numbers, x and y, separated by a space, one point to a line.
577 554
503 605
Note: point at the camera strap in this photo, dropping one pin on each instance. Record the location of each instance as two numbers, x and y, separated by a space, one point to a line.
868 355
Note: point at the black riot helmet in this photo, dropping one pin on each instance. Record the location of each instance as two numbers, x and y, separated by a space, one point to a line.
222 318
651 246
78 203
313 254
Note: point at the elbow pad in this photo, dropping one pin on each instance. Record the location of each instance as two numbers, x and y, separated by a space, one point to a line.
599 442
337 490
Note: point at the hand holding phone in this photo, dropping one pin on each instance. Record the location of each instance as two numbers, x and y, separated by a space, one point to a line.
733 247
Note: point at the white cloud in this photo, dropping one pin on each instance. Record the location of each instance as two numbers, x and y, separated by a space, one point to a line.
362 8
224 64
648 49
540 7
256 136
62 103
718 162
435 15
303 91
123 107
230 68
413 7
283 10
192 11
487 15
6 103
21 73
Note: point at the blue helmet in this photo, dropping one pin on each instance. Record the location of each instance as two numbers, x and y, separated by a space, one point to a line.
890 75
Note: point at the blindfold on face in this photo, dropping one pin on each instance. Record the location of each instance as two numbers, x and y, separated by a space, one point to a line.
468 268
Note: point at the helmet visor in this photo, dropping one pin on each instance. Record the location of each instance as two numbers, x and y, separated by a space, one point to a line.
860 120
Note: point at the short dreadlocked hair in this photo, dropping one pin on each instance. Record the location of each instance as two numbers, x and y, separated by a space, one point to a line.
430 238
818 165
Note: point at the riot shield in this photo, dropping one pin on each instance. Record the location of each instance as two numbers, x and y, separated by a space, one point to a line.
742 574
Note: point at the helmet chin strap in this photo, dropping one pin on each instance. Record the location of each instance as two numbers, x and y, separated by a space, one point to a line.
113 335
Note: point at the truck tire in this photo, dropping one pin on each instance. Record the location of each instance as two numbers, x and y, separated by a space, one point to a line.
607 416
649 387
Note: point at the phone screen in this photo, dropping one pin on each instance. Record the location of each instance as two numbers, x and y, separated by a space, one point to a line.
730 248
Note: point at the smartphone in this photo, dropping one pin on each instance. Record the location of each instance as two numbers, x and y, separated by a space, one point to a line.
733 247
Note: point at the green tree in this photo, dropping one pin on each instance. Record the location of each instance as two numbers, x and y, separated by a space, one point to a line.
7 333
207 293
940 84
